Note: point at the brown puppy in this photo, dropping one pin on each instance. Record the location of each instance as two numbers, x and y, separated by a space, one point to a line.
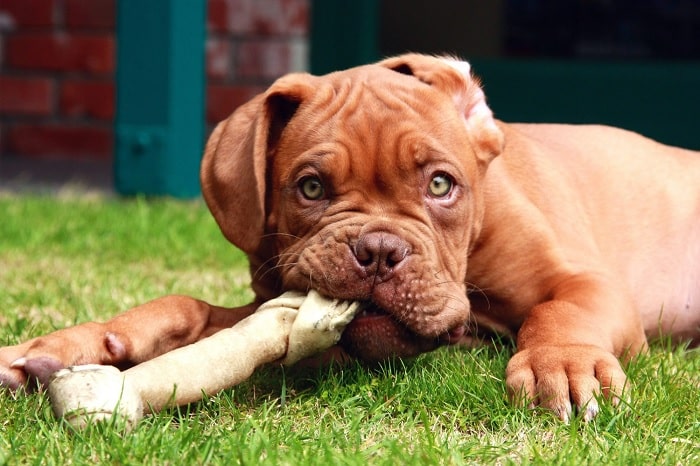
393 184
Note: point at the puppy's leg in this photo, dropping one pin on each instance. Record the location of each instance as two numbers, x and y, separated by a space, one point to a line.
568 347
137 335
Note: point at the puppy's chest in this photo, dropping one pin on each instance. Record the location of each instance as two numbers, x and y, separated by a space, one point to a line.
491 314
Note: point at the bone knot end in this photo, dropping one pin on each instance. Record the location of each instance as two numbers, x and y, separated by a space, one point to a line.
286 329
86 394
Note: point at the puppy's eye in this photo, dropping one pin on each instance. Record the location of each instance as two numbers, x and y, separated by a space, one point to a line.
440 185
312 188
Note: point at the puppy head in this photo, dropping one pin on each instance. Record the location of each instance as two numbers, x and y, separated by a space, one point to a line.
363 184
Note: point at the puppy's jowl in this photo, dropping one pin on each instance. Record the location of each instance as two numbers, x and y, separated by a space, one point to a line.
394 185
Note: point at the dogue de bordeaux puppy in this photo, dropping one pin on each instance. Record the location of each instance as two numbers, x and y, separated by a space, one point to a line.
393 184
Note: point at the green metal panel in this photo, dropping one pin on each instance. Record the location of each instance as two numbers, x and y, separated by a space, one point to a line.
344 33
159 125
657 99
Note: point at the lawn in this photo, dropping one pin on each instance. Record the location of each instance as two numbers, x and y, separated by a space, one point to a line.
67 260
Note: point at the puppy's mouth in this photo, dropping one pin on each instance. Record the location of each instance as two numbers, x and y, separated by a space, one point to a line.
375 335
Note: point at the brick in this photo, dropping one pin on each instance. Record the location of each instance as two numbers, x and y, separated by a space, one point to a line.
26 96
83 98
55 140
219 59
21 13
270 59
93 53
91 14
217 15
222 100
259 17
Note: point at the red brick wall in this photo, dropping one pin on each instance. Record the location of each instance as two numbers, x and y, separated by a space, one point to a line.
250 43
57 62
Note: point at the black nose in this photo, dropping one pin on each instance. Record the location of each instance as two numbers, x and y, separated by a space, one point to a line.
380 253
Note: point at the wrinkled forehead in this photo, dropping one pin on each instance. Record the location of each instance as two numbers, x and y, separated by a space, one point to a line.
369 123
375 92
371 104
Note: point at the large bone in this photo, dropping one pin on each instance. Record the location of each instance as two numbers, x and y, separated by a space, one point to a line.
286 329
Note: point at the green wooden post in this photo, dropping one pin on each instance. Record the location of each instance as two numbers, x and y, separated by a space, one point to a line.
159 125
343 34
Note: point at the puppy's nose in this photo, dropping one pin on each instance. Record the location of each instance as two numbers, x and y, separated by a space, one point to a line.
379 253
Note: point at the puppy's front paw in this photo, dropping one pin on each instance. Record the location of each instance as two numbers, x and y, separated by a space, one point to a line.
12 373
30 364
557 377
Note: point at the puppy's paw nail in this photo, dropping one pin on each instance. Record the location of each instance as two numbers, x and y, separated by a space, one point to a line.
41 368
563 412
591 410
7 381
18 363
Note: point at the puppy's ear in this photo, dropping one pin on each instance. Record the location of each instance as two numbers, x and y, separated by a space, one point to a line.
454 77
236 157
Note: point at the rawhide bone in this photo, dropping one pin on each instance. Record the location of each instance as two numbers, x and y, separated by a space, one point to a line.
285 329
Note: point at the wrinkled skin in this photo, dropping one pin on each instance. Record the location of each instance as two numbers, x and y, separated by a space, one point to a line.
372 235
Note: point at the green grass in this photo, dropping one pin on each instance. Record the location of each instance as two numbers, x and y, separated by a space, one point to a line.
64 261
